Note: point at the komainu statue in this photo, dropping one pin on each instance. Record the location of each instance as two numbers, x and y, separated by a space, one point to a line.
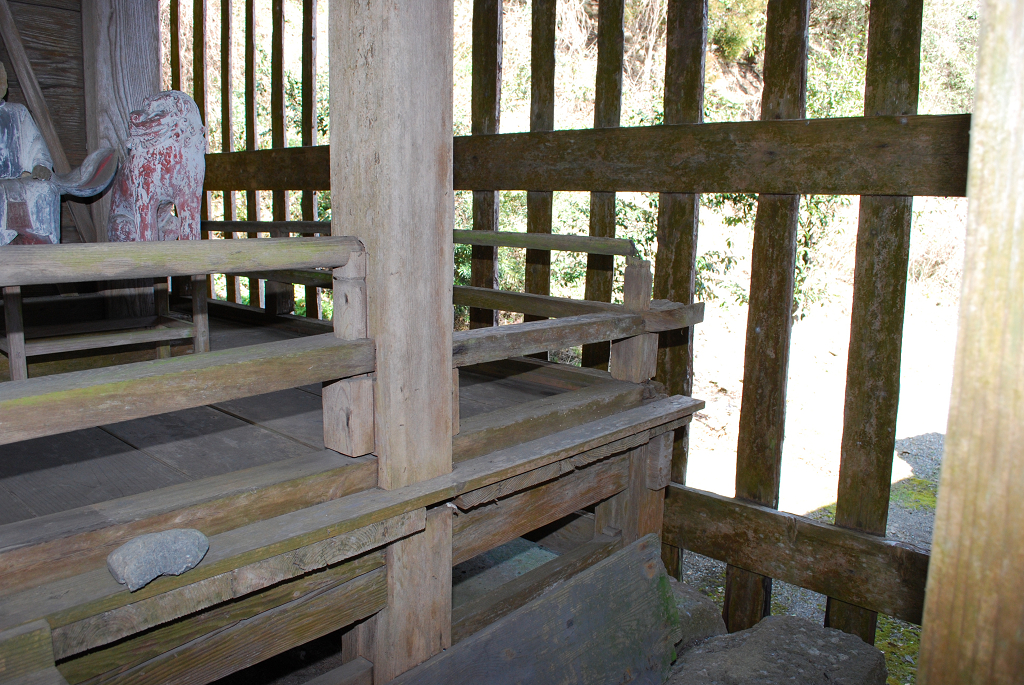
29 190
158 193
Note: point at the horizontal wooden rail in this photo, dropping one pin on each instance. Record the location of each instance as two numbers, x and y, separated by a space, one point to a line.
876 573
43 264
914 155
548 241
82 399
274 228
318 279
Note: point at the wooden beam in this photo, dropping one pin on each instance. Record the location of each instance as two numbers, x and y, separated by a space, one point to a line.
119 662
82 399
879 297
686 37
486 527
542 118
485 610
14 322
276 229
912 155
24 650
178 330
45 549
607 114
973 610
548 242
43 264
883 574
770 317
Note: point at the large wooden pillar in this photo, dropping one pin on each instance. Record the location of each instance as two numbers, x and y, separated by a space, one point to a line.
391 185
973 611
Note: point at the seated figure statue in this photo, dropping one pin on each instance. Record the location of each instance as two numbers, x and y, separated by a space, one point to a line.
29 190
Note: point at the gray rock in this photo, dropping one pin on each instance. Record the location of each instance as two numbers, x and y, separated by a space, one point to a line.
168 553
699 617
782 649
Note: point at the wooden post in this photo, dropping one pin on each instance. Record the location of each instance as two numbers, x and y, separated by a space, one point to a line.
309 127
279 297
200 315
227 128
879 298
391 186
607 114
252 139
676 261
486 108
175 7
973 613
769 321
635 359
542 118
17 362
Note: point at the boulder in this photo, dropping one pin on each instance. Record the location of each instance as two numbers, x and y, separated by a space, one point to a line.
699 616
782 650
168 553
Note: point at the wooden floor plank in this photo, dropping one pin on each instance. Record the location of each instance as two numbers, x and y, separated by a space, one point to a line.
480 394
77 469
203 442
293 413
12 509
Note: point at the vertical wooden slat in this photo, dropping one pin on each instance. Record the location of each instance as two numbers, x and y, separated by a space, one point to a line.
17 362
252 204
486 110
769 318
279 297
227 128
973 611
309 8
175 45
391 186
676 261
879 298
607 114
542 118
199 94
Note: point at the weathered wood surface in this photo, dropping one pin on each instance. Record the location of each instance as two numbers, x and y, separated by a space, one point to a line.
911 155
86 595
613 622
973 611
81 399
879 299
169 330
69 542
308 123
24 650
486 527
14 322
276 229
566 534
542 372
770 318
882 574
496 430
43 264
359 671
678 214
503 600
110 663
407 230
546 241
237 581
635 359
121 59
260 637
636 511
485 111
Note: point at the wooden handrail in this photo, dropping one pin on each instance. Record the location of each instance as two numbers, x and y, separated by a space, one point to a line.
548 241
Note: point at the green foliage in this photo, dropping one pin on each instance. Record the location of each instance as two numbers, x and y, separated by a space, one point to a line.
734 27
900 642
916 493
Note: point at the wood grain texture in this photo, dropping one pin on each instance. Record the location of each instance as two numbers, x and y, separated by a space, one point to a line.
278 298
415 624
613 622
14 322
391 186
770 317
635 359
67 543
92 341
42 264
24 650
486 527
911 155
503 600
879 296
488 27
883 574
637 510
56 404
121 56
678 214
109 663
260 637
973 609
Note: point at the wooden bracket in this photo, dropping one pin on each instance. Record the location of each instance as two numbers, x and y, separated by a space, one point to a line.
636 359
348 403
